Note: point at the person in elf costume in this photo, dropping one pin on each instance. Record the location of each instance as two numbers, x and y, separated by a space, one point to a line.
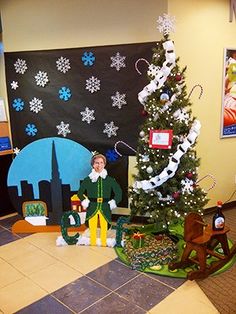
100 194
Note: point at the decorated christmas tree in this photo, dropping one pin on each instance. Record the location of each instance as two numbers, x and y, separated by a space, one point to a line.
166 185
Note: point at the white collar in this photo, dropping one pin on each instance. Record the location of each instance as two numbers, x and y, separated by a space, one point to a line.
95 175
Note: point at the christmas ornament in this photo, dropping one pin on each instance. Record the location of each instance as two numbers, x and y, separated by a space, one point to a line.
121 142
176 195
136 64
142 134
164 97
189 175
195 86
213 183
178 77
160 139
149 169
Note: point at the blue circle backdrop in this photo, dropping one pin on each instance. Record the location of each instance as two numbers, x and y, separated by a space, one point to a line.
34 163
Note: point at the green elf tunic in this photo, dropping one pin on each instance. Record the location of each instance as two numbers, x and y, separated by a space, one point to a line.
99 193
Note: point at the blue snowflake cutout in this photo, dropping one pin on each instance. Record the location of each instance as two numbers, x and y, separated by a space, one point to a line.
18 104
111 155
88 58
31 129
64 93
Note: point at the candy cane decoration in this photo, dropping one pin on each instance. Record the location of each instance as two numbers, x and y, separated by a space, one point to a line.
201 92
121 142
213 179
136 64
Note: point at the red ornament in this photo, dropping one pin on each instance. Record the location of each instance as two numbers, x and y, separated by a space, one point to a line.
176 195
178 77
189 175
144 113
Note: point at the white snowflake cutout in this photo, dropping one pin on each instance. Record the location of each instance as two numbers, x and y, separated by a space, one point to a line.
181 115
41 78
36 105
187 185
87 115
93 84
14 85
63 129
16 151
63 65
20 66
118 61
110 129
118 100
166 24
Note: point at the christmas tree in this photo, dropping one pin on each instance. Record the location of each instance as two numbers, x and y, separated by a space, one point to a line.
165 186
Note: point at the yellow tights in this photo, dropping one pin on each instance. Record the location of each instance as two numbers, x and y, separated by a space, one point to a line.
93 228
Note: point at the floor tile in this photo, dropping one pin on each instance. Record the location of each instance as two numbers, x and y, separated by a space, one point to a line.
47 305
188 298
113 304
7 237
106 251
170 281
81 258
80 294
113 274
55 276
19 294
32 262
144 291
15 249
43 240
8 274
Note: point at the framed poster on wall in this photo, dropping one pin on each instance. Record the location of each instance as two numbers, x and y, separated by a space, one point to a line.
228 116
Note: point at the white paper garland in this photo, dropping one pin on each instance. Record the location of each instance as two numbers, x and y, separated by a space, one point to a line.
170 170
162 74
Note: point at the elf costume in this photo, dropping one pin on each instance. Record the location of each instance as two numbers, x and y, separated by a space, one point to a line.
100 194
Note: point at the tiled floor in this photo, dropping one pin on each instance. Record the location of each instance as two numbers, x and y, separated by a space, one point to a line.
37 277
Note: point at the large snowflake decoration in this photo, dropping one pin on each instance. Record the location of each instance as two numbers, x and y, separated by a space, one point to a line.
64 93
182 116
31 129
18 104
110 129
87 115
63 129
118 61
166 24
41 78
187 185
20 66
63 65
93 84
14 85
118 100
111 155
36 105
88 58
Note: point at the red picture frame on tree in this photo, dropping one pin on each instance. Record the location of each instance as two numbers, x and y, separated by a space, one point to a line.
160 139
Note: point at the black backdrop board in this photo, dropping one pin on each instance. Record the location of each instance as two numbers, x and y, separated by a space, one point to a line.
123 79
49 91
6 206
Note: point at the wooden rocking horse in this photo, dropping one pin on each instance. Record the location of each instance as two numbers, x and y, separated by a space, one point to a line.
203 240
